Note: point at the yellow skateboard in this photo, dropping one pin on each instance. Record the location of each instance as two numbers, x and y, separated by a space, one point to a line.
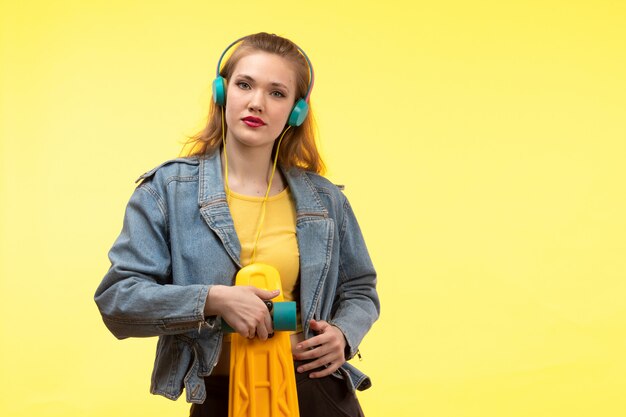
262 378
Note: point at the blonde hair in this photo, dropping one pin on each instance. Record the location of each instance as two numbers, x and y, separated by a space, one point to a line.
298 148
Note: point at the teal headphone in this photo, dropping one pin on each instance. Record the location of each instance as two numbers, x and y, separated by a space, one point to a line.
300 109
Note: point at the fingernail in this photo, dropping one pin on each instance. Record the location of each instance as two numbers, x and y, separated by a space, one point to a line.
300 369
299 347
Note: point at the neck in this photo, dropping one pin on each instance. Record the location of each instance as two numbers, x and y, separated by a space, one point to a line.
252 164
249 169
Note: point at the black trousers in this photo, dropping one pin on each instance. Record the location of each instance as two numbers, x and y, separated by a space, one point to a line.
318 397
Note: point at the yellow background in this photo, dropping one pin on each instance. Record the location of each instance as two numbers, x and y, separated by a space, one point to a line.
483 145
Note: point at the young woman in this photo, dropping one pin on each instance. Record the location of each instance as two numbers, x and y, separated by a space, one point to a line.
194 222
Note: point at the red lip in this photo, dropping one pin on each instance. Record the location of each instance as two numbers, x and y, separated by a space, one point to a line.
253 121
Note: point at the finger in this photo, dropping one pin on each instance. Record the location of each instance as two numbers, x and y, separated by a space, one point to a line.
265 294
326 371
265 327
310 365
241 327
310 354
308 344
318 363
249 324
321 356
313 342
318 326
262 332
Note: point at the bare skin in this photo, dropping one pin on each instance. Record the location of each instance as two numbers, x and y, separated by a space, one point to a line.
325 349
243 308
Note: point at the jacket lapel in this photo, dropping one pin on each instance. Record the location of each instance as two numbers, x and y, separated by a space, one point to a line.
213 206
315 232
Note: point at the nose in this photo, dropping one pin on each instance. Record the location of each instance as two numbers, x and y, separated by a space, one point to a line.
257 101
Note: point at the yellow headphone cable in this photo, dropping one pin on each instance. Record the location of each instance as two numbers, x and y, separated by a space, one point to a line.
267 193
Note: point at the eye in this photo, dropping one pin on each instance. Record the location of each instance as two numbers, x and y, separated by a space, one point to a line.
279 94
243 85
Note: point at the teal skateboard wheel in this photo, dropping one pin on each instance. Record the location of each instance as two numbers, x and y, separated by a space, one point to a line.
285 316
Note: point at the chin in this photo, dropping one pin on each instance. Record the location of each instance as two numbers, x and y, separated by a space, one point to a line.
255 139
255 142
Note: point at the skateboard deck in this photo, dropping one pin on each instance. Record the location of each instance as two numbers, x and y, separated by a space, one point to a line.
262 378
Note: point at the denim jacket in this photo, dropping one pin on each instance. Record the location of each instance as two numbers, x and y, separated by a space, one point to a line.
178 240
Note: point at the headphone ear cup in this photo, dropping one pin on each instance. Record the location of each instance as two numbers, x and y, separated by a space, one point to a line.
219 91
298 113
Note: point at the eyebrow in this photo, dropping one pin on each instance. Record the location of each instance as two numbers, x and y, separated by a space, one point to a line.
273 84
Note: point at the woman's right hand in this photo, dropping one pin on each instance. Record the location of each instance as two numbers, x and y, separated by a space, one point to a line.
243 308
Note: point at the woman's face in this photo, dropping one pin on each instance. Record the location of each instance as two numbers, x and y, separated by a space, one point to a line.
259 97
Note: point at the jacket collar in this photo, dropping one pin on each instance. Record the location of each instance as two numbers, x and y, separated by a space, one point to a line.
304 194
211 187
211 183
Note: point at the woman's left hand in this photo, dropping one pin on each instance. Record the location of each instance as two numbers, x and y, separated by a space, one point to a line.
326 349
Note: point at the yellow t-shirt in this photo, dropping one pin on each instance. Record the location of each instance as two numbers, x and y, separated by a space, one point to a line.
277 245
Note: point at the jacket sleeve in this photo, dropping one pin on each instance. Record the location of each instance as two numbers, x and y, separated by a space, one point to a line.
357 305
136 296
